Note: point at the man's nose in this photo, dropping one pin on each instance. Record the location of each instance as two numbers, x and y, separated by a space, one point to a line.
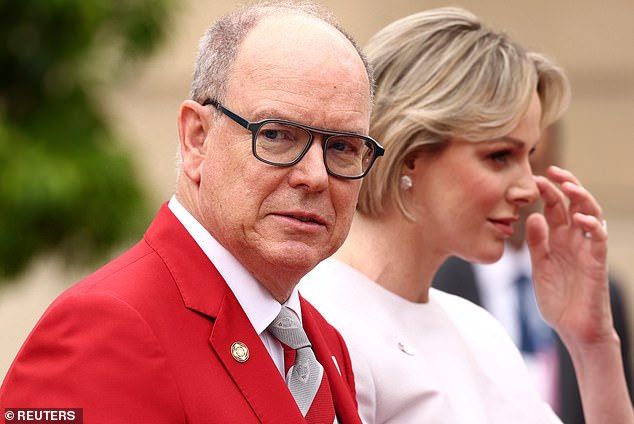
311 171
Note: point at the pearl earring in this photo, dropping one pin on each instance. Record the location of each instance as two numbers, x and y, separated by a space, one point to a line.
406 182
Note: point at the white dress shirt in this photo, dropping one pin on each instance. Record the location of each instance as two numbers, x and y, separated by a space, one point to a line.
258 304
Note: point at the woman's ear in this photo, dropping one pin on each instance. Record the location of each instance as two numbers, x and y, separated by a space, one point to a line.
408 170
193 126
410 161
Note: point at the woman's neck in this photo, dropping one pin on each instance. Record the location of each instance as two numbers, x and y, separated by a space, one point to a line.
391 251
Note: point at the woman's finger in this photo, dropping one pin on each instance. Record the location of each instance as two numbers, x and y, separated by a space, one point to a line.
555 204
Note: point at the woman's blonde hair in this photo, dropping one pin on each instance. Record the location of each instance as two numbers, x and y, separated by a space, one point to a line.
440 74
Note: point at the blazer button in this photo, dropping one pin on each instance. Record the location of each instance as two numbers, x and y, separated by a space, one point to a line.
240 352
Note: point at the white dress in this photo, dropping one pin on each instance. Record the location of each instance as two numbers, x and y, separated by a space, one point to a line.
445 361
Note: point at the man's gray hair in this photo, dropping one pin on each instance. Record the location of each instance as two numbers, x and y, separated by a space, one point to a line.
219 45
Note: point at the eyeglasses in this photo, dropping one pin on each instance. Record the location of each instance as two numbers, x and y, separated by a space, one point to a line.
284 143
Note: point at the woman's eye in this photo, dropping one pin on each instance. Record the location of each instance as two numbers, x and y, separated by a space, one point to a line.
501 156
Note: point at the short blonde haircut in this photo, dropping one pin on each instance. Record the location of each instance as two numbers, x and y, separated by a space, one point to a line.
440 75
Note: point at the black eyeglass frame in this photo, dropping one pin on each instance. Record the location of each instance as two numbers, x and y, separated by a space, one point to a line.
254 127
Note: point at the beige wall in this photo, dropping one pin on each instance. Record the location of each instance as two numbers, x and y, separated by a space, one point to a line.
593 40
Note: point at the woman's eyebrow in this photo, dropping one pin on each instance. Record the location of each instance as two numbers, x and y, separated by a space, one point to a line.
509 139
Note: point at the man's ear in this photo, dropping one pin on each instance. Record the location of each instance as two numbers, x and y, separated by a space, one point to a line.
193 126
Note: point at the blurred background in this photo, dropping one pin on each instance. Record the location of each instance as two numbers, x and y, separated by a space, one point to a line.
89 92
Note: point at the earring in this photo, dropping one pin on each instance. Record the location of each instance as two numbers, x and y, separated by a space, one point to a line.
406 182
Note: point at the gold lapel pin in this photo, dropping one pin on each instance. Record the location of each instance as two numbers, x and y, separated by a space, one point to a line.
240 352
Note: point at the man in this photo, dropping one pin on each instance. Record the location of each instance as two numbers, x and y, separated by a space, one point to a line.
495 288
175 330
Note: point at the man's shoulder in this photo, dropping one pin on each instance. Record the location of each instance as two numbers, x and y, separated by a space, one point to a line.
133 277
139 261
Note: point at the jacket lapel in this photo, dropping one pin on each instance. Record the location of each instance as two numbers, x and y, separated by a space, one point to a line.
258 378
342 394
203 290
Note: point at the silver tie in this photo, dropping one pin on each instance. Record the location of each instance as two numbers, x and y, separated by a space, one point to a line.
304 376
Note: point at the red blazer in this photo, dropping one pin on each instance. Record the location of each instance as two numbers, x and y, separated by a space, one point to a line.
147 338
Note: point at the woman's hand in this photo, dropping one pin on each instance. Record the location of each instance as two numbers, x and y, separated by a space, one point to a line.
568 245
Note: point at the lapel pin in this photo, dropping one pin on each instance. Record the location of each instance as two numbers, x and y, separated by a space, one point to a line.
409 350
240 352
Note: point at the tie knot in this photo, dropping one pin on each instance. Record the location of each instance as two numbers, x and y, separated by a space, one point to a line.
287 328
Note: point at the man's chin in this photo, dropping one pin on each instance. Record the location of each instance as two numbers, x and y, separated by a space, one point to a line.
297 256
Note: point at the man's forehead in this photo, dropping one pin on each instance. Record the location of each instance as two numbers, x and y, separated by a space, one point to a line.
294 38
297 70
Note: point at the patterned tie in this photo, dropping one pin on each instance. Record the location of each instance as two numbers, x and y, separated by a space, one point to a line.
306 379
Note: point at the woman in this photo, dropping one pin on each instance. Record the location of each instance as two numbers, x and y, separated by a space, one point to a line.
459 109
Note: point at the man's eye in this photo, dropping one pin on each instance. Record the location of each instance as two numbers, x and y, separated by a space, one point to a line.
271 134
346 146
340 146
278 136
